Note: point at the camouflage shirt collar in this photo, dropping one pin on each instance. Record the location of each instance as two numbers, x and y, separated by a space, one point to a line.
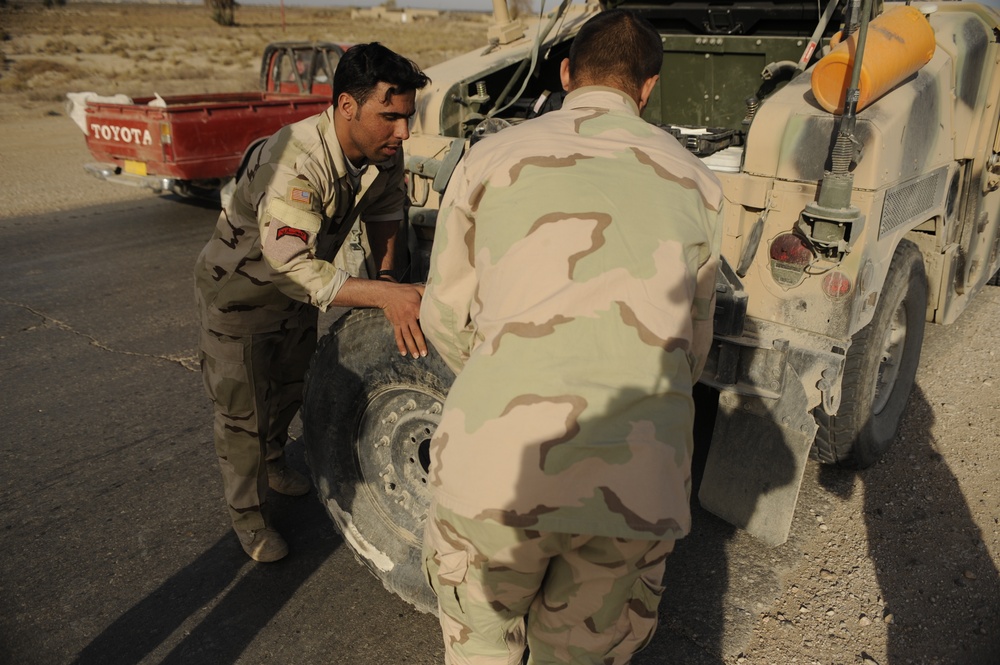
341 164
602 97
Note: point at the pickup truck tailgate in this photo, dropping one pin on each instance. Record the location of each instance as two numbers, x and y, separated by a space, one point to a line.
191 137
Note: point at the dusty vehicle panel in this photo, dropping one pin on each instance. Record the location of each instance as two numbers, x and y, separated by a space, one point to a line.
834 257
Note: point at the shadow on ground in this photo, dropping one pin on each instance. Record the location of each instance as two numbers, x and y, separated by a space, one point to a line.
940 587
711 602
234 597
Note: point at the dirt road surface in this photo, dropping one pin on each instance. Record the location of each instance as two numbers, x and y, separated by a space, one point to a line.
894 565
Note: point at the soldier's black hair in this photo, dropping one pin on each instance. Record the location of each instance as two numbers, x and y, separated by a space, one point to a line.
364 66
617 48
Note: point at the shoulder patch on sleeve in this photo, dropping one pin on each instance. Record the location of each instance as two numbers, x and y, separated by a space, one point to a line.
291 232
301 195
281 212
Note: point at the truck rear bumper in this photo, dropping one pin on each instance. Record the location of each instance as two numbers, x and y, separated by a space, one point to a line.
113 173
757 365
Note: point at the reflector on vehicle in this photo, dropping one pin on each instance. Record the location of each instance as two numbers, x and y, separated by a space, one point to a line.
836 284
790 254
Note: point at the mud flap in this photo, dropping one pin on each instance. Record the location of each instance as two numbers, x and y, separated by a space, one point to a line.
760 447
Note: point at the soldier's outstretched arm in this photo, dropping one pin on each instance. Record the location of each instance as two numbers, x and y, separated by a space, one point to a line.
703 307
399 302
382 240
702 313
452 280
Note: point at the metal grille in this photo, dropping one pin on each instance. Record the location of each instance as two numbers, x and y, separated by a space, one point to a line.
909 201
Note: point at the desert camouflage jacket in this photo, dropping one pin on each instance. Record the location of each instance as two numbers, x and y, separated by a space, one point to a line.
273 246
572 287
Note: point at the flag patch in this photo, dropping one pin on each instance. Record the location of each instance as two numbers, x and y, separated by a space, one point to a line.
297 195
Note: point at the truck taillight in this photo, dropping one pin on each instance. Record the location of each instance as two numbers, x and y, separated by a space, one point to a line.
836 284
166 142
790 255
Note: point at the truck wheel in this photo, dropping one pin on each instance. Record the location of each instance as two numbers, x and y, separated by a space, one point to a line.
995 279
879 370
368 415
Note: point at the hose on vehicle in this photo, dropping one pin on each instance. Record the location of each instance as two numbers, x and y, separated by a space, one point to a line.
533 61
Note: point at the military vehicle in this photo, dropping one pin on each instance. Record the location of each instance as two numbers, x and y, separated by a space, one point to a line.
858 148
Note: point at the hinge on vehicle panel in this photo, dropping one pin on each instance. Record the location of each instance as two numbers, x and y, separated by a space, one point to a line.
721 22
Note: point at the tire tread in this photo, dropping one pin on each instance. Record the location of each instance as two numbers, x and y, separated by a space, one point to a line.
839 438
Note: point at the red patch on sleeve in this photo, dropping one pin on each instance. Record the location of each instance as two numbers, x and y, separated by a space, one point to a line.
295 233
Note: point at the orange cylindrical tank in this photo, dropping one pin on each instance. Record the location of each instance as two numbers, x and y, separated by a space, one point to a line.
899 42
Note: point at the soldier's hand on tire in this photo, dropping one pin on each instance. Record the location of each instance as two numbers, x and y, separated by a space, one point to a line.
401 305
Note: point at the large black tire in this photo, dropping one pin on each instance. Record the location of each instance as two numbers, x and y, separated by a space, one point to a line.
368 415
879 370
995 279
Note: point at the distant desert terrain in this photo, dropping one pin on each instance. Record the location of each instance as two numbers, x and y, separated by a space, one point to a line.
138 48
141 48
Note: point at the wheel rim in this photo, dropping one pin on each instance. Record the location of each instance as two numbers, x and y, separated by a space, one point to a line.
397 424
893 345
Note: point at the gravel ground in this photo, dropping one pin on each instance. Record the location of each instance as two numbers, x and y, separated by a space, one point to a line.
904 569
902 565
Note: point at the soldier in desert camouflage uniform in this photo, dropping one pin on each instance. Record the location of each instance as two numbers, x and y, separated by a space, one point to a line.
571 288
268 267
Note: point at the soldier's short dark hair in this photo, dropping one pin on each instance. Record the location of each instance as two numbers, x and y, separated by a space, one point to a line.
364 66
617 48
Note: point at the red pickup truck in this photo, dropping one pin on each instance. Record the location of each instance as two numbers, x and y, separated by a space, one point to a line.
192 145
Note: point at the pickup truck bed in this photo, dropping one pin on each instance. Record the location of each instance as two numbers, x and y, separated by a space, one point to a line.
194 138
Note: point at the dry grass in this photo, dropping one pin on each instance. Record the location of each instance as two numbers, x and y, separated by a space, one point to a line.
112 48
38 77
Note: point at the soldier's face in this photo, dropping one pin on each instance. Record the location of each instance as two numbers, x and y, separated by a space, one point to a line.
377 129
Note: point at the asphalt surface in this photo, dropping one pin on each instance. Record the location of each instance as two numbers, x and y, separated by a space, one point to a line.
116 546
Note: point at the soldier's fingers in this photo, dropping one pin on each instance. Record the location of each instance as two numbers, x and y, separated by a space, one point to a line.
400 343
418 339
411 344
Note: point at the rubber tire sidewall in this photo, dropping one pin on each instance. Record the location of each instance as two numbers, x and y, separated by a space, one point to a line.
856 437
359 358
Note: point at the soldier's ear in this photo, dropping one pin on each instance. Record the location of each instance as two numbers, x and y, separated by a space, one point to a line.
564 76
347 106
646 91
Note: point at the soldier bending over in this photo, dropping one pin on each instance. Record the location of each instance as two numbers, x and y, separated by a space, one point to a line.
268 268
571 287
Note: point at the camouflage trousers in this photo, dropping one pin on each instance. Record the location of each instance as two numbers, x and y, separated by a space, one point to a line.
570 598
255 384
